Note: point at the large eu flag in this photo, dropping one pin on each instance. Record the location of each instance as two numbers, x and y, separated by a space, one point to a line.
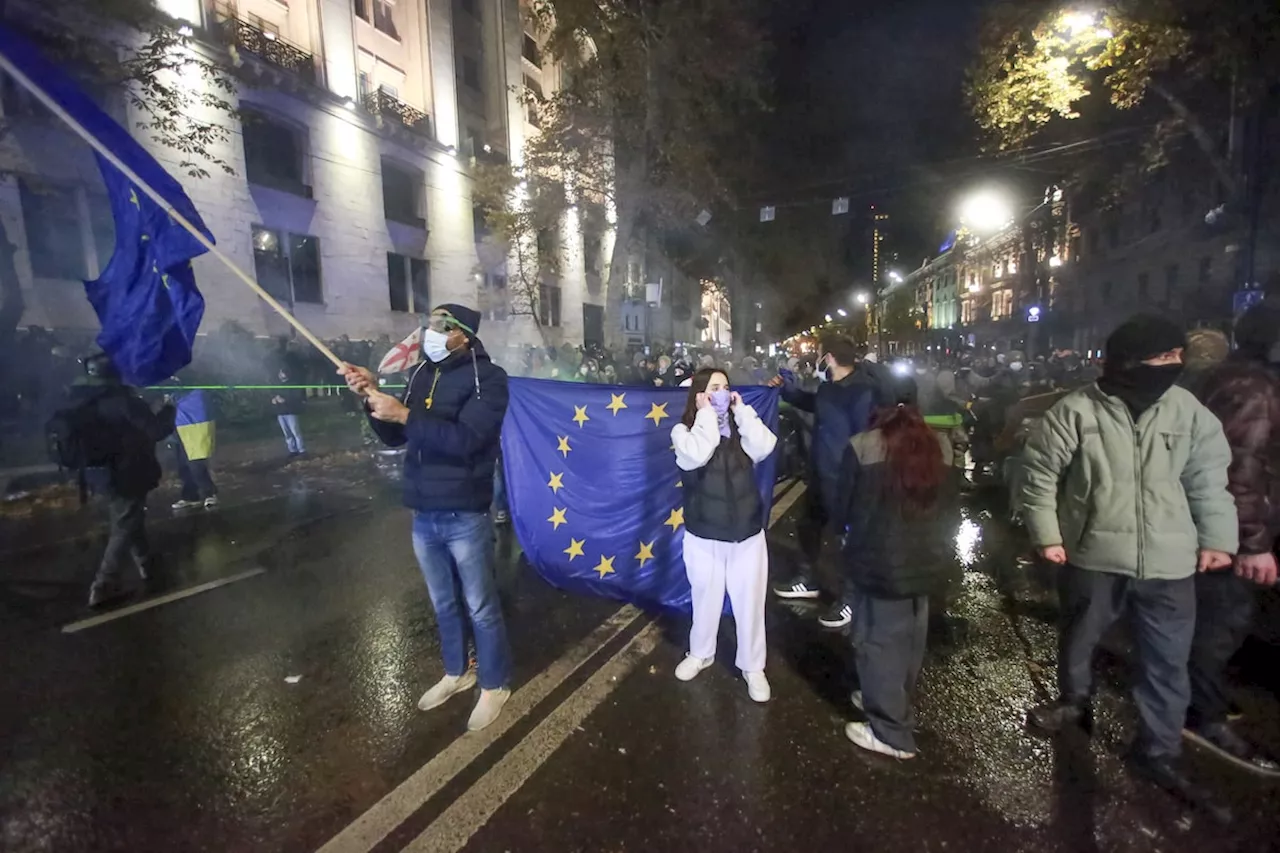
594 488
146 299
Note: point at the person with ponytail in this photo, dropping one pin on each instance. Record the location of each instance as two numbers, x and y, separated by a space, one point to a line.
893 489
718 443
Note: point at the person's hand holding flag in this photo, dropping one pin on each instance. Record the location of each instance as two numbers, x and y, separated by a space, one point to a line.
383 407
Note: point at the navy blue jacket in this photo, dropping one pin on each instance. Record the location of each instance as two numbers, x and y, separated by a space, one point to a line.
840 410
453 445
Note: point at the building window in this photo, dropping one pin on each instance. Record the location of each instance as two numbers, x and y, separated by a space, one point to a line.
1001 304
471 74
549 304
529 50
402 194
275 154
547 247
495 300
1144 285
55 239
288 265
533 100
363 85
408 283
1206 270
384 19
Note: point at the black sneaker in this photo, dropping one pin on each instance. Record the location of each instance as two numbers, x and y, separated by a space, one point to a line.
798 587
1061 714
838 616
1223 740
100 595
1164 773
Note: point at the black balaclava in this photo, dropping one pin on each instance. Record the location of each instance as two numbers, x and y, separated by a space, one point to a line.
1125 376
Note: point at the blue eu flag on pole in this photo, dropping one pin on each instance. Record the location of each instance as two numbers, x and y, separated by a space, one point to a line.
594 488
146 299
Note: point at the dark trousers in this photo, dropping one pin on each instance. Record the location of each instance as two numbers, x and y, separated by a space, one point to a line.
1224 611
1162 615
128 538
197 482
889 637
814 539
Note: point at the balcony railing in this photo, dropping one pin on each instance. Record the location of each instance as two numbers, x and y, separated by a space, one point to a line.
270 48
386 106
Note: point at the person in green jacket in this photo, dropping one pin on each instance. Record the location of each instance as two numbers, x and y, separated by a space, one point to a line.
1125 489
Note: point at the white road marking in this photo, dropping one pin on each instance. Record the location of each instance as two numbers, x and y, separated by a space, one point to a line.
456 825
371 828
396 807
788 500
167 598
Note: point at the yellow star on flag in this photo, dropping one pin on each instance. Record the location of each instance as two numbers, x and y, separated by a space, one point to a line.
618 403
646 553
605 567
657 412
580 416
557 517
676 519
133 198
564 445
575 548
557 482
164 279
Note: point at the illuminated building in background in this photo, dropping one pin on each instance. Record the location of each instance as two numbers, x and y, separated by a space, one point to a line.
879 222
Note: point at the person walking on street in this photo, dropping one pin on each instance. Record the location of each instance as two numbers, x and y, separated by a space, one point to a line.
1244 393
841 409
450 419
1124 487
288 403
718 442
194 448
114 433
893 483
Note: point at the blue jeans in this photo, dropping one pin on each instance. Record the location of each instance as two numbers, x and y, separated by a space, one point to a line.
292 437
455 552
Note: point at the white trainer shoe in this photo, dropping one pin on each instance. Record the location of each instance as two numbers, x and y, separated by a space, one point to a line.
689 668
856 699
446 687
488 708
758 686
862 735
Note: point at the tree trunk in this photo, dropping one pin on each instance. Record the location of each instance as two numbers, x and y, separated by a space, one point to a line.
616 280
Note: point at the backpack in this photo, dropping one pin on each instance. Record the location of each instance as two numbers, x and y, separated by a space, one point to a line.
76 440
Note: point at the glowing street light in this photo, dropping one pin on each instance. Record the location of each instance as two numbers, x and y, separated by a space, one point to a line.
1077 23
863 298
985 212
828 318
894 276
842 312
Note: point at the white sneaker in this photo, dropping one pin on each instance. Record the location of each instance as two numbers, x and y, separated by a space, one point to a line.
488 708
862 735
187 504
758 686
856 698
210 503
444 688
689 668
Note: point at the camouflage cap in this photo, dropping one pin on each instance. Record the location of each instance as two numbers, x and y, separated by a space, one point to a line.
1205 348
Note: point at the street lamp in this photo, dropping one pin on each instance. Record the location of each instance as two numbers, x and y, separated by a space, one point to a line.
985 212
863 298
842 312
828 318
894 276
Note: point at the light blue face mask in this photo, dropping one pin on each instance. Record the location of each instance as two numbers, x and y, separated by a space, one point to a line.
435 345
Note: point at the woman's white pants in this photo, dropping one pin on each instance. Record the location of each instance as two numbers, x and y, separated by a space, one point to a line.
742 570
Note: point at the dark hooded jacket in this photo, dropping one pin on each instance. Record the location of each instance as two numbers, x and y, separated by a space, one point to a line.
452 442
131 430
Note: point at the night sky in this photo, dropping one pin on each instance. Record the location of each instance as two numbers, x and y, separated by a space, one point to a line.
868 96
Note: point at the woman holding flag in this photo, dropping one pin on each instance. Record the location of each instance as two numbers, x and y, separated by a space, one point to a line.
718 442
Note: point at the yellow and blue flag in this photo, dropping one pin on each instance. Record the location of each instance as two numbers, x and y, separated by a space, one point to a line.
594 488
146 298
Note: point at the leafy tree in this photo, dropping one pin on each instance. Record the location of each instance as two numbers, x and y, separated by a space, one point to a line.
1045 63
645 122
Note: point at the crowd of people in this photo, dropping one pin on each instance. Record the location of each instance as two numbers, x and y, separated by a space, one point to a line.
1152 489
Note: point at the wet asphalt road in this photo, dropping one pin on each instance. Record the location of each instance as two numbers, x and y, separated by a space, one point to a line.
174 728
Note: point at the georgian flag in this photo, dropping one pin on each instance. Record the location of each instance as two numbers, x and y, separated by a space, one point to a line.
403 355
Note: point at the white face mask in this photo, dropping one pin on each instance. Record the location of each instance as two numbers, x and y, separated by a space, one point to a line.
435 345
1015 366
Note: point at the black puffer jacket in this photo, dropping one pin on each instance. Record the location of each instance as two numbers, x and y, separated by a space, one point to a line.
888 550
453 442
722 499
132 431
